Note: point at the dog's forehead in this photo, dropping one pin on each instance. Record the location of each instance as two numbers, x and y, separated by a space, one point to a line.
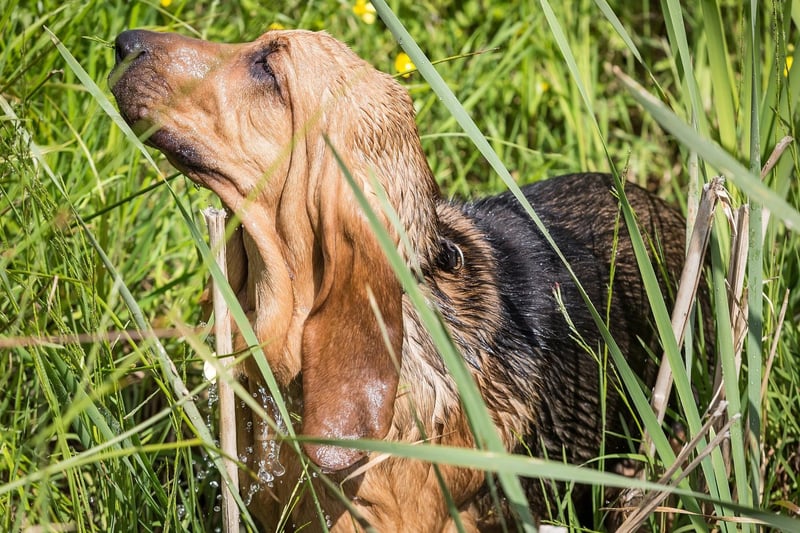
290 38
312 43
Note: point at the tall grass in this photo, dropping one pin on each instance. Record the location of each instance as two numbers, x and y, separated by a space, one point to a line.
105 419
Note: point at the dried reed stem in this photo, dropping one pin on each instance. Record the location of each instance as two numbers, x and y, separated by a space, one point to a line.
215 218
713 192
649 503
772 160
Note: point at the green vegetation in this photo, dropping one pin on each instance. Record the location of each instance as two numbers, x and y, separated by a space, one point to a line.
96 435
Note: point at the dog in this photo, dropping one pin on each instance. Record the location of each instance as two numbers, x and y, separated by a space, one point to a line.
261 124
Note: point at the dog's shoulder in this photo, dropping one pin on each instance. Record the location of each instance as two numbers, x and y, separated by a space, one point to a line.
581 213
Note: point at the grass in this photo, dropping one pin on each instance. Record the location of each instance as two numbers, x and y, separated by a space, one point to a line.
97 435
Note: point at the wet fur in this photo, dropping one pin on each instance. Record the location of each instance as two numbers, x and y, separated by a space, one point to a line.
304 264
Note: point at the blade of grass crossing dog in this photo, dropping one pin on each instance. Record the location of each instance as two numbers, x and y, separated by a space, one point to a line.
167 367
447 97
396 224
486 434
657 305
465 121
484 431
536 467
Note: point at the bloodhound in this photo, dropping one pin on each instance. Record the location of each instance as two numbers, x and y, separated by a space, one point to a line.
261 124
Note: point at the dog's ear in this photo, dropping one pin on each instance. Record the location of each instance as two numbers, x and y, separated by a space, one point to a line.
349 375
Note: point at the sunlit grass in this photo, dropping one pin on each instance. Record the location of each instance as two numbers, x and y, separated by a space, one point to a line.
94 435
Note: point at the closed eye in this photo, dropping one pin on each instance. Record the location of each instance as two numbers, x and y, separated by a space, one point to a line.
264 66
263 70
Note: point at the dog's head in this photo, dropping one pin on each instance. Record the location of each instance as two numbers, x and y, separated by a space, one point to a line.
260 124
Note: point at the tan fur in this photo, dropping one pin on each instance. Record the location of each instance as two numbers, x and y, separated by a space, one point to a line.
306 266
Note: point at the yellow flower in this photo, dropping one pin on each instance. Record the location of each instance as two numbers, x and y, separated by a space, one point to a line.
542 87
788 67
365 11
276 26
166 3
404 65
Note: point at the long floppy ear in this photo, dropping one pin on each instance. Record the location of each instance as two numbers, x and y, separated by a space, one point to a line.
349 377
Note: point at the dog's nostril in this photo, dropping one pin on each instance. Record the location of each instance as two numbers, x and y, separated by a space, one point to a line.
128 45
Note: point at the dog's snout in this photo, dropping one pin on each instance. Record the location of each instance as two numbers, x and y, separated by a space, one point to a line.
131 44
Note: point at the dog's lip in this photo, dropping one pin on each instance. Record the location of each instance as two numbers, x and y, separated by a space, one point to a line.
183 155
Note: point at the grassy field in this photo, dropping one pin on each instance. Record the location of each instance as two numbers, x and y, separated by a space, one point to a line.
93 242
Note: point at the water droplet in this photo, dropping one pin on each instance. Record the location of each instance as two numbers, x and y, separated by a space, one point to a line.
209 372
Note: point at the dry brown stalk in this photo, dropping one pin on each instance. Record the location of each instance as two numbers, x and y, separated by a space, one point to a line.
215 219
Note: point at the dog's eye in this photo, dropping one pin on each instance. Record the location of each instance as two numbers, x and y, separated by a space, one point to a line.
267 69
263 70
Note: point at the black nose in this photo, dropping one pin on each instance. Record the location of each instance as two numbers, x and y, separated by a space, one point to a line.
131 44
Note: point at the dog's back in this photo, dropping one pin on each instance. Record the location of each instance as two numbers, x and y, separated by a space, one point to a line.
566 383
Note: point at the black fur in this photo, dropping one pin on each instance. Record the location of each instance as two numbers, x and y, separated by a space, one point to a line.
533 353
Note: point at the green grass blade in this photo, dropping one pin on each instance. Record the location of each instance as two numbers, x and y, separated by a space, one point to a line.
755 279
714 154
536 468
724 100
726 349
653 291
676 29
620 29
466 122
